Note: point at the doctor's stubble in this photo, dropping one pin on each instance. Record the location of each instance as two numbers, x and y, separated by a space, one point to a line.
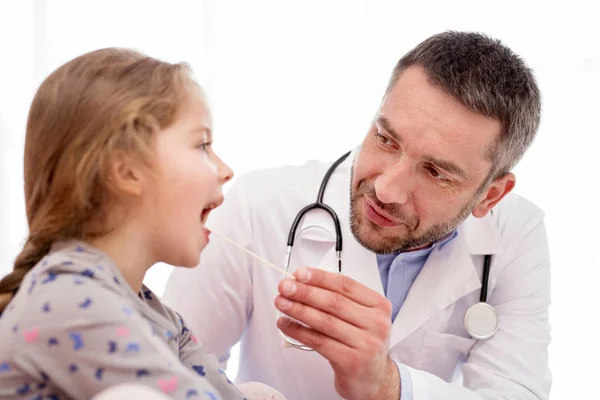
409 241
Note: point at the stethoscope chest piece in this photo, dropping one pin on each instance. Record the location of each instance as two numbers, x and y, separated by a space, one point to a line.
481 321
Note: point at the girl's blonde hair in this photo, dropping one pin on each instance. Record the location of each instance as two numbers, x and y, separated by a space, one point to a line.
103 101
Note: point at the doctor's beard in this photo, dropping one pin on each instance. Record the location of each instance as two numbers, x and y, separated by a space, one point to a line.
406 242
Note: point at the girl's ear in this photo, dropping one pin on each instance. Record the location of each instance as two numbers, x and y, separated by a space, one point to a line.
126 174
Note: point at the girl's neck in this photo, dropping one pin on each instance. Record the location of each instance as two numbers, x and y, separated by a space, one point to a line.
130 253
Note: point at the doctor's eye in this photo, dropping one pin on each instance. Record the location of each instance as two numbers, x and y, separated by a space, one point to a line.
437 175
383 140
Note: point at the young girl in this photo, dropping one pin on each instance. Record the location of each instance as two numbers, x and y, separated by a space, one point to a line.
119 175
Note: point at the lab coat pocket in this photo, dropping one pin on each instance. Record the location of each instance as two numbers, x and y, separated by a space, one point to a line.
440 353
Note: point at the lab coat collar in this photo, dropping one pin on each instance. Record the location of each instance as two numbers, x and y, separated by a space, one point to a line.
482 235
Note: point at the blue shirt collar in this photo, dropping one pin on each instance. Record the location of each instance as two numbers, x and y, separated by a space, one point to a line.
424 252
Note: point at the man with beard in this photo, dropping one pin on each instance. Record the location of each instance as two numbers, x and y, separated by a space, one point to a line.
423 206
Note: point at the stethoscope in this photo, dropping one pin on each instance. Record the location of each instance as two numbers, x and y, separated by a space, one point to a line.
481 319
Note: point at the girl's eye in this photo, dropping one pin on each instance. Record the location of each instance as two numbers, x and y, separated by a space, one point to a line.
204 146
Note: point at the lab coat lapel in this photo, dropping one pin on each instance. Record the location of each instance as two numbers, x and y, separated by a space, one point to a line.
448 275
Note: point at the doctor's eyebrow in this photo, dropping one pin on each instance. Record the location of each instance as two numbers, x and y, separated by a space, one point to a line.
385 124
446 165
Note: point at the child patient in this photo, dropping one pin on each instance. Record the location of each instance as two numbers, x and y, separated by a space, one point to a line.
119 175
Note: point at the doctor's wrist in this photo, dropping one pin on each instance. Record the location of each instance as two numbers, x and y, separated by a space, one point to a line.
390 385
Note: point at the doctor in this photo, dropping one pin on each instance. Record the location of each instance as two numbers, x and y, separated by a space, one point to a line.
421 203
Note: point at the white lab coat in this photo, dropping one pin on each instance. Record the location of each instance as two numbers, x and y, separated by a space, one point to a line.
230 296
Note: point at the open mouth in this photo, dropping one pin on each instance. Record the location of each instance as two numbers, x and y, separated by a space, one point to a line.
209 207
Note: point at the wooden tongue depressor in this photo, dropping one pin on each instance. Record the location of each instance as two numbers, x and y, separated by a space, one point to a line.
252 254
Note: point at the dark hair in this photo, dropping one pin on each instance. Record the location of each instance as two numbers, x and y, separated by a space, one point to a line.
103 101
488 78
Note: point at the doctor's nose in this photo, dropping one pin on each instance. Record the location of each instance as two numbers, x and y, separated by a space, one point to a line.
396 184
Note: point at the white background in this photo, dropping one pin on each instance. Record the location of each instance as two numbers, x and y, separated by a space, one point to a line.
305 77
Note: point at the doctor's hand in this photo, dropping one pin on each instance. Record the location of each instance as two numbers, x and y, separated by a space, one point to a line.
349 325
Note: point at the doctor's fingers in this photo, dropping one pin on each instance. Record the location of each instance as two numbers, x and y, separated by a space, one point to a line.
320 322
334 351
341 284
376 319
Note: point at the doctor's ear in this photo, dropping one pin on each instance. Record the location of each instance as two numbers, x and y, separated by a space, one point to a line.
126 174
492 195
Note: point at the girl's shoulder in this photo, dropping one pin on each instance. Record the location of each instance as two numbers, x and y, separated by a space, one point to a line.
174 318
71 284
